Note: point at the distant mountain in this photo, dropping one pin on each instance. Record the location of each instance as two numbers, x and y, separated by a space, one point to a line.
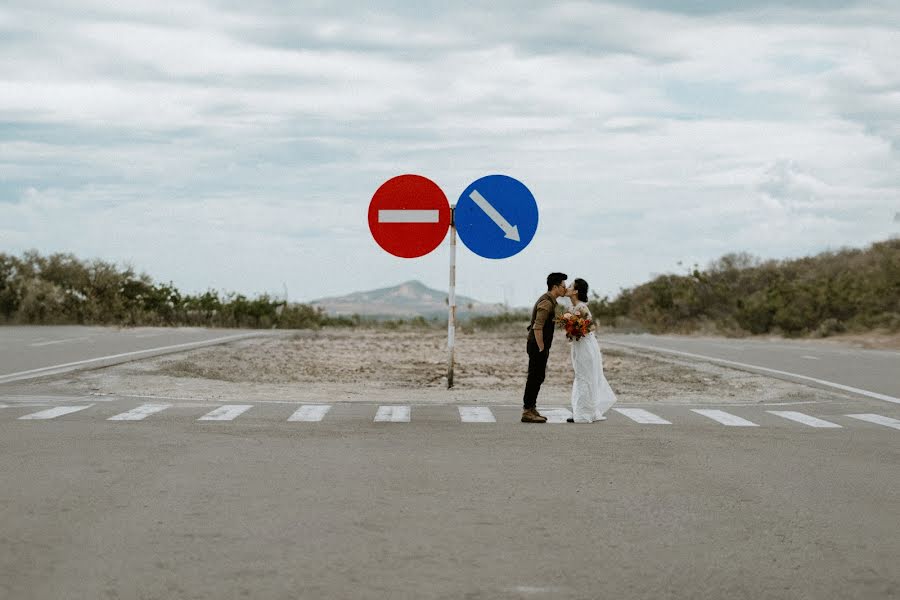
407 300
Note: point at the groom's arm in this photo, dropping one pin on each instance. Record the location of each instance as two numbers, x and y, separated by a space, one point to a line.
543 313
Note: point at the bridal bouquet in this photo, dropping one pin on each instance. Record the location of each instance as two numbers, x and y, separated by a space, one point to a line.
576 324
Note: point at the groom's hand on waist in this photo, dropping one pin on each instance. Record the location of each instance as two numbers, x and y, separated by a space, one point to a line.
544 309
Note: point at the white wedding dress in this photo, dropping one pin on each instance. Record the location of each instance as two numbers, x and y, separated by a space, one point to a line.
591 394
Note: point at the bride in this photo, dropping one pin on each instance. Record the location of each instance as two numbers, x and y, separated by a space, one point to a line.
591 394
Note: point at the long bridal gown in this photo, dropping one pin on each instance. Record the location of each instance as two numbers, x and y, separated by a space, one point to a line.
591 394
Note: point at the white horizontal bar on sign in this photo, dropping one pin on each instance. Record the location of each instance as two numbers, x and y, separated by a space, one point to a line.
52 413
226 413
476 414
409 216
310 413
140 413
878 420
392 414
725 418
805 419
639 415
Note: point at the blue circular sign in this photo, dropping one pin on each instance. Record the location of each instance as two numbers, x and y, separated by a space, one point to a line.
496 216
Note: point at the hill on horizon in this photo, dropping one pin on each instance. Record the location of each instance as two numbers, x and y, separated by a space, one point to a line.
407 300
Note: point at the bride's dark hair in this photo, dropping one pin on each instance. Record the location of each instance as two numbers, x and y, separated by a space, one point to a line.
581 286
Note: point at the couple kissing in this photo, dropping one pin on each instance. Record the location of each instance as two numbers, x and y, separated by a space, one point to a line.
591 394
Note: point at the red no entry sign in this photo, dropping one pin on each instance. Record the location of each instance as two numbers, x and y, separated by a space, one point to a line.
409 216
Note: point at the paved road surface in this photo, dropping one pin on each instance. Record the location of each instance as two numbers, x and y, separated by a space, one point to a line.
27 352
874 371
111 497
121 499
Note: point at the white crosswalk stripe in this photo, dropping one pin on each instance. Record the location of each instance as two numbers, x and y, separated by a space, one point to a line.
226 413
724 418
466 414
57 411
639 415
556 415
392 414
805 419
141 412
476 414
310 413
878 420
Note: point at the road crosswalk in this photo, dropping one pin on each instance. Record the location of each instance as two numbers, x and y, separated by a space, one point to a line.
140 413
878 419
805 419
226 413
311 413
56 411
725 418
476 414
391 413
644 417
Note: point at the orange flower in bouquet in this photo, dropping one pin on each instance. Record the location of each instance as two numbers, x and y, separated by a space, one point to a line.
576 324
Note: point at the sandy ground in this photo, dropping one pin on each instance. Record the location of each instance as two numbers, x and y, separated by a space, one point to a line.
411 367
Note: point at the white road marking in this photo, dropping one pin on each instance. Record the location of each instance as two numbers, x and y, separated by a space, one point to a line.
639 415
57 411
529 589
808 357
51 342
310 412
724 418
63 368
832 384
226 413
476 414
805 419
878 420
556 415
139 413
409 216
392 414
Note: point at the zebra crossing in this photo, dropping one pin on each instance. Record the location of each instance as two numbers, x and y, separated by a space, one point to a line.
310 413
403 414
725 418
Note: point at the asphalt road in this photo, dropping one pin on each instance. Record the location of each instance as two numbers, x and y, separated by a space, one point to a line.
872 373
28 352
106 497
260 507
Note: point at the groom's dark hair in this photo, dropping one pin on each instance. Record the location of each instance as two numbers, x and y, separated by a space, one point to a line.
554 279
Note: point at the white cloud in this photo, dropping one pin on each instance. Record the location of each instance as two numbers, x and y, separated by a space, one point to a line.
238 146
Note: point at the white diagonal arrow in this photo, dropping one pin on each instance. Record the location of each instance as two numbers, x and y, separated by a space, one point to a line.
511 231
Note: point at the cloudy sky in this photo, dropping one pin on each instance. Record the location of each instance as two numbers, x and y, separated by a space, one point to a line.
236 145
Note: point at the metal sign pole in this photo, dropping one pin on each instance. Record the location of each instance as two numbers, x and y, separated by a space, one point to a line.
451 321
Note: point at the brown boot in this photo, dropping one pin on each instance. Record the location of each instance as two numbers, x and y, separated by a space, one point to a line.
531 415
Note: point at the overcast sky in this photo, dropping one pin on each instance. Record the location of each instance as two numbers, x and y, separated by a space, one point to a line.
236 145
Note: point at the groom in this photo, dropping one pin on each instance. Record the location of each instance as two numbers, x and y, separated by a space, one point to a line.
540 338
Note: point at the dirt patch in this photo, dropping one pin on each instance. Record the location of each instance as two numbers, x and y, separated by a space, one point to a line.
411 366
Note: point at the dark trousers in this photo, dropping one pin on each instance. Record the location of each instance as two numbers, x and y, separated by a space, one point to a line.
537 370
